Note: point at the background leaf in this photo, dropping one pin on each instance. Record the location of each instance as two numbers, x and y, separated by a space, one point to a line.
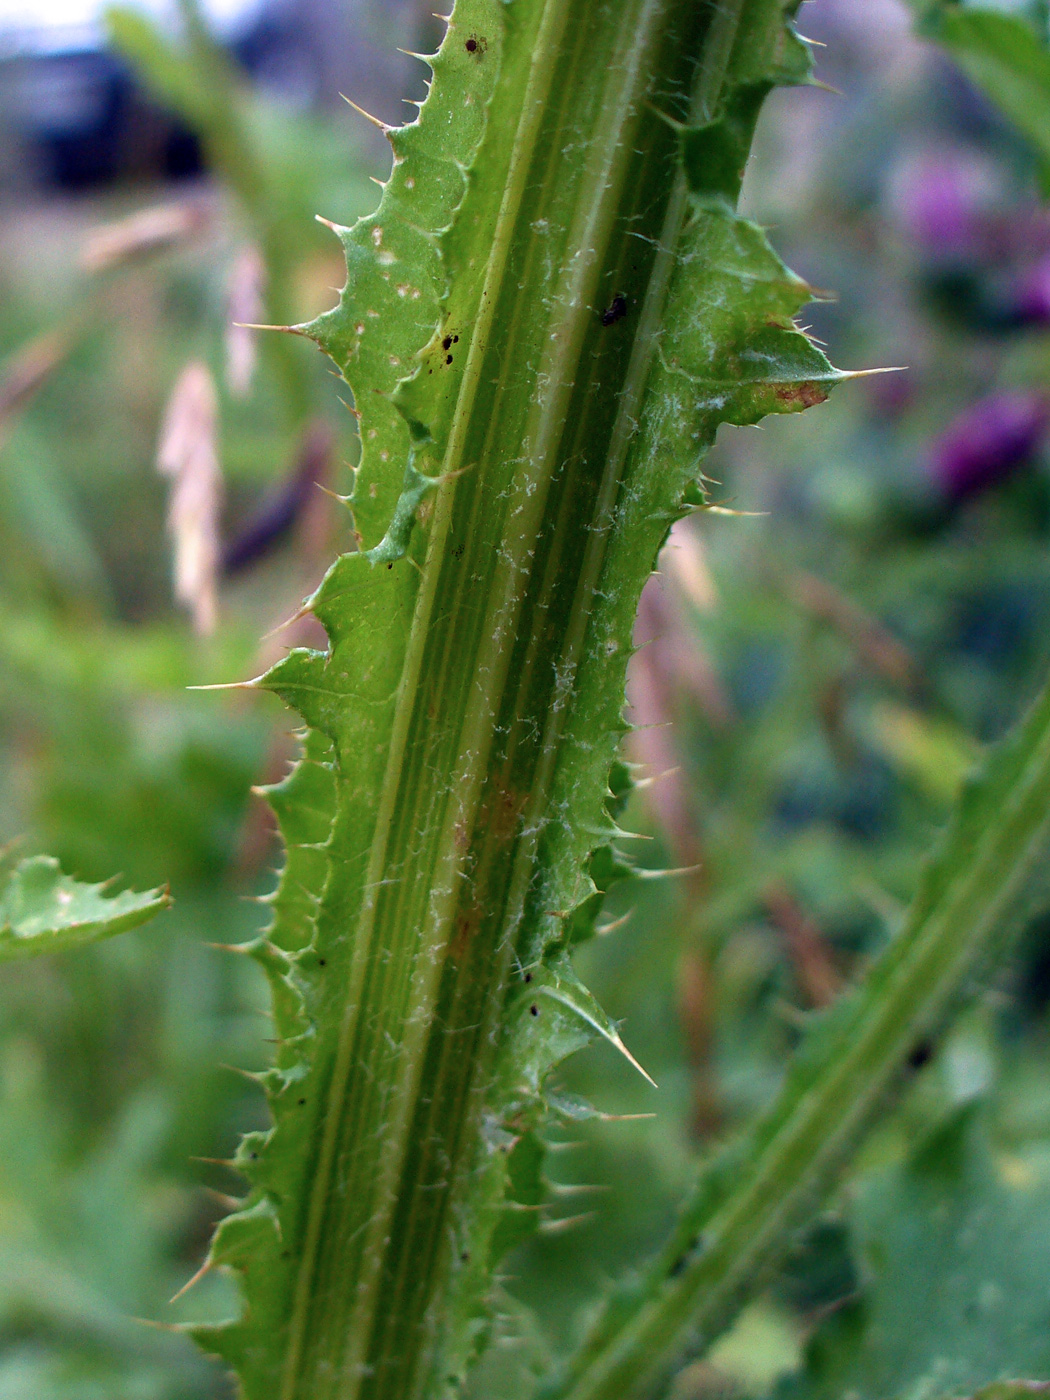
42 910
953 1251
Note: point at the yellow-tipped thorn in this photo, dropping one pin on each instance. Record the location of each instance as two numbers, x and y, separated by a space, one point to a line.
565 1189
252 326
451 475
160 1326
231 685
825 87
423 58
631 1060
383 126
668 874
337 229
241 948
867 373
613 924
343 500
226 1162
204 1269
672 122
230 1203
248 1074
295 617
568 1222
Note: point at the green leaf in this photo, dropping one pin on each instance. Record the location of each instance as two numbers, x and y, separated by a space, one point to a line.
1005 57
42 910
543 326
1012 1390
989 873
954 1247
162 65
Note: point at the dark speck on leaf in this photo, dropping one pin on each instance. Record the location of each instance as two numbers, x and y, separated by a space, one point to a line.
528 977
476 46
534 1010
615 311
448 359
683 1259
446 344
921 1055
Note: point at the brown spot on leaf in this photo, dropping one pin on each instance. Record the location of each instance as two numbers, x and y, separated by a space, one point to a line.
467 925
803 395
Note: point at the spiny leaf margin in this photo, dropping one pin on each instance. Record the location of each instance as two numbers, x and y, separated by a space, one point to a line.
44 911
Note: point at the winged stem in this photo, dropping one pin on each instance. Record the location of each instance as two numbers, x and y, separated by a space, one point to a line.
523 457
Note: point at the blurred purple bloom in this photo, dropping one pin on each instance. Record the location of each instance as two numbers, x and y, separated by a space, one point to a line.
941 201
1032 304
280 510
988 441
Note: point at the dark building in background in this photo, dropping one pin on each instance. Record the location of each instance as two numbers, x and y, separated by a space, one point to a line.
73 116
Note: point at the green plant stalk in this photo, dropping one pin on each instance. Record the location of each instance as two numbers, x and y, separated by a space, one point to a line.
523 455
988 874
202 84
233 152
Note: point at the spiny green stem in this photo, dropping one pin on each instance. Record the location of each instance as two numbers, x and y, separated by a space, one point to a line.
568 316
466 716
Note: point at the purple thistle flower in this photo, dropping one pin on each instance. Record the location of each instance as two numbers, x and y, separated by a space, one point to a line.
1032 303
988 441
940 202
279 511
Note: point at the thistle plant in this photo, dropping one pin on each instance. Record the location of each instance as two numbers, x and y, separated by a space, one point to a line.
544 323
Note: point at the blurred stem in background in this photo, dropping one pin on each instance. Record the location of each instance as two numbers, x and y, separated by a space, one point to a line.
201 83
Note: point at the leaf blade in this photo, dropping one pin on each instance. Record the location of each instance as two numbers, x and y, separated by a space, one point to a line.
44 911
